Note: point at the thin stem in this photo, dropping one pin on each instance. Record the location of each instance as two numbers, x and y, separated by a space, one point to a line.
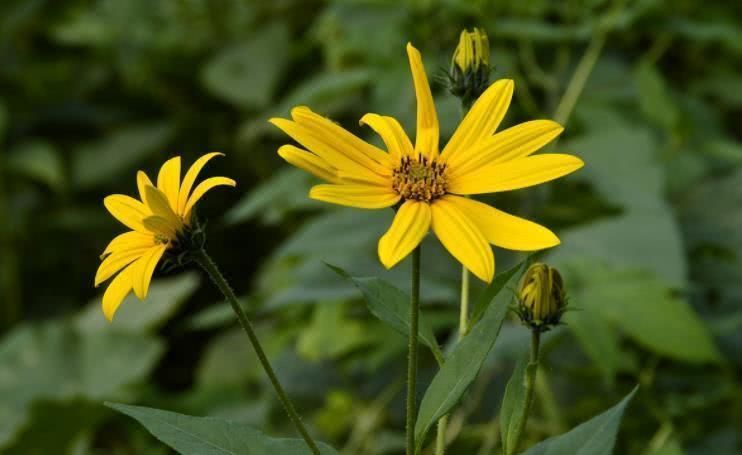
531 370
412 353
440 438
203 259
464 307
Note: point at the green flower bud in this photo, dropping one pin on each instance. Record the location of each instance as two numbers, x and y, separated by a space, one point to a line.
470 66
541 297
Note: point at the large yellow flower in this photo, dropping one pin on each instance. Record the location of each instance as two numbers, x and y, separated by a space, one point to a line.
429 185
163 213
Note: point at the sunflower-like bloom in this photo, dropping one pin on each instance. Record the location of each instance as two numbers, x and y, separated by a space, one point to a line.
429 186
157 222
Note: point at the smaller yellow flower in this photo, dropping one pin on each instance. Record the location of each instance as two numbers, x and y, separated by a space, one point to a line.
156 221
473 51
542 297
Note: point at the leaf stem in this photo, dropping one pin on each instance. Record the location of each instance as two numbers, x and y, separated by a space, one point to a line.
531 370
206 263
412 353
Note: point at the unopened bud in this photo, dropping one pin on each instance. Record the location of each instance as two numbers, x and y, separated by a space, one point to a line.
541 297
470 66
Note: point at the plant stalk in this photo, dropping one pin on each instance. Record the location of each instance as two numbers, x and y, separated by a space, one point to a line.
206 263
412 353
531 370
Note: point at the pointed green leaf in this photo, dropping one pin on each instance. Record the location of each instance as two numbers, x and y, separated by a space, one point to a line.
513 405
462 365
211 436
597 436
391 305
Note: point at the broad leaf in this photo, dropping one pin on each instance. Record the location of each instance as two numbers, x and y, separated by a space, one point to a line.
642 307
597 436
211 436
462 365
392 306
97 162
246 74
164 298
55 361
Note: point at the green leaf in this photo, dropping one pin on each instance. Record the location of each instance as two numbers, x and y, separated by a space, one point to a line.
655 101
462 365
135 316
211 436
38 160
55 361
330 334
614 241
597 436
246 73
285 192
642 307
513 404
326 93
494 288
392 306
97 162
598 338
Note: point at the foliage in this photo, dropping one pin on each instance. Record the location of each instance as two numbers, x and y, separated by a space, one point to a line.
92 90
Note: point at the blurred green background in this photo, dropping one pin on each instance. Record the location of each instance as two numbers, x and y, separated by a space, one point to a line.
92 91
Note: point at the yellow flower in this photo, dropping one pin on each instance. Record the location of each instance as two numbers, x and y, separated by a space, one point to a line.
429 185
156 221
473 51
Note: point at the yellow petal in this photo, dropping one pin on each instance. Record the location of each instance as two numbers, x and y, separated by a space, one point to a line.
144 268
159 225
360 196
392 133
309 162
168 181
516 142
334 152
462 238
480 122
426 136
515 174
160 206
143 182
116 262
408 229
190 179
203 188
505 230
116 292
127 241
127 210
325 127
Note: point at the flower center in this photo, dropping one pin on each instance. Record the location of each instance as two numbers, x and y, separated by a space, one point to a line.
419 179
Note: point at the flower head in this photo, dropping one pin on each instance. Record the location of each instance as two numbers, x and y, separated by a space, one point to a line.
428 185
541 297
159 222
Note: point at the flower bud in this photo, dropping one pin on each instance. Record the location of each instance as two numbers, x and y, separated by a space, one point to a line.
541 297
470 70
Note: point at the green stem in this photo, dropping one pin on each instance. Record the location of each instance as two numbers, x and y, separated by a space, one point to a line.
203 259
464 307
531 370
440 439
412 353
